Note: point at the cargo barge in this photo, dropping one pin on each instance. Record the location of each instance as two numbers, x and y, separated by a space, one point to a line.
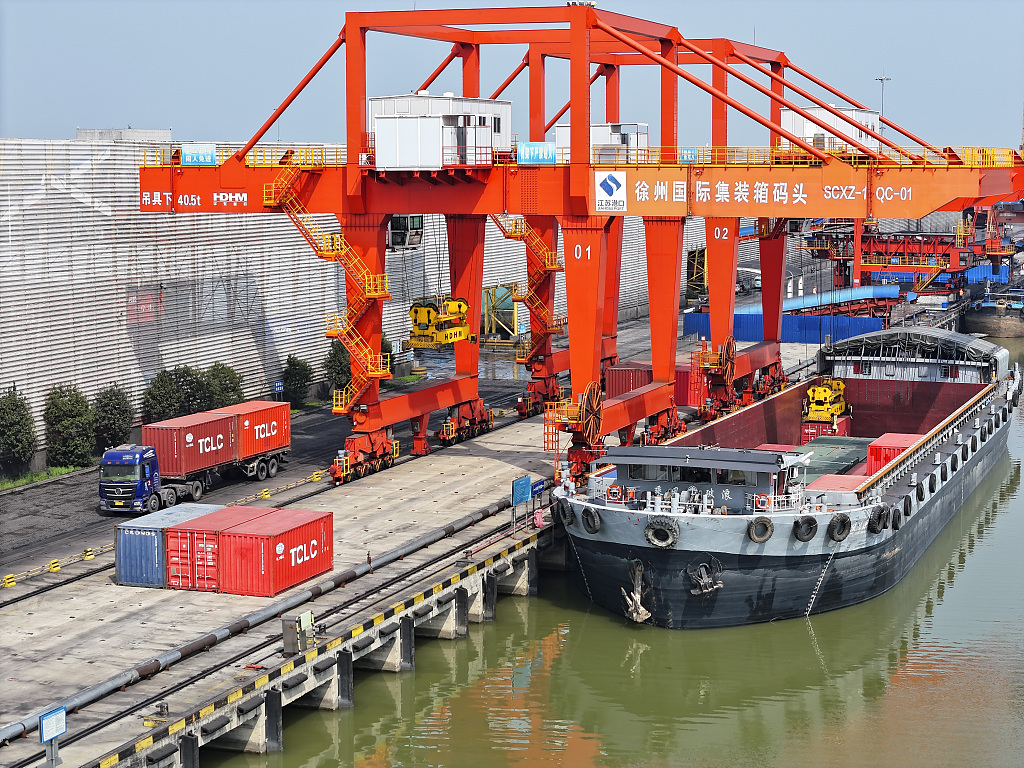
737 522
997 314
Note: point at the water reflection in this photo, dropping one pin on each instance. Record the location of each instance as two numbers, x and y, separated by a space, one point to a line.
928 673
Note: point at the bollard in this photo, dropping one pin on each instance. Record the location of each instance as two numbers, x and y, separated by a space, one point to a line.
53 566
9 581
316 476
88 554
265 493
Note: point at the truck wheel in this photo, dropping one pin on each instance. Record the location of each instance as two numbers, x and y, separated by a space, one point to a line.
153 505
197 490
261 470
272 466
170 497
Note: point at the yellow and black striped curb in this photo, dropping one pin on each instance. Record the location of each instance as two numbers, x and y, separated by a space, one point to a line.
157 735
54 566
266 493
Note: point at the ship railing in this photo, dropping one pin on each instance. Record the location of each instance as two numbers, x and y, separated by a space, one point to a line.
764 503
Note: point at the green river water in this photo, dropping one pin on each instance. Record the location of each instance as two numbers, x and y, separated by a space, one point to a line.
929 674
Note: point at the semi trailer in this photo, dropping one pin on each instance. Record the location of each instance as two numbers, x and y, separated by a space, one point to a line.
178 458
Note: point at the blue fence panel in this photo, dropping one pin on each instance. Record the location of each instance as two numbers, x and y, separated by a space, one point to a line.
800 329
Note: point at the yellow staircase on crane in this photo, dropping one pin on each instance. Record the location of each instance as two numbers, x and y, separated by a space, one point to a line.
367 365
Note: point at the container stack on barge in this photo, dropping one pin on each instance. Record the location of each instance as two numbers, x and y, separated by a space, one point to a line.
737 523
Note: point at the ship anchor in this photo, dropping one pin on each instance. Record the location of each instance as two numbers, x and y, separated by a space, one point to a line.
706 577
634 610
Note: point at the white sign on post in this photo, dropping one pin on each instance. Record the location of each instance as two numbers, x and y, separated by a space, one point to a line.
53 724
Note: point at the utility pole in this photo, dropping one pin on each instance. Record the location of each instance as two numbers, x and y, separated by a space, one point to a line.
881 109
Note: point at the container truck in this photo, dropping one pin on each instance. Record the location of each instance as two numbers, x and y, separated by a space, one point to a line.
179 457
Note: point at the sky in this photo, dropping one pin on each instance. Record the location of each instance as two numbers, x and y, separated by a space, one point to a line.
215 70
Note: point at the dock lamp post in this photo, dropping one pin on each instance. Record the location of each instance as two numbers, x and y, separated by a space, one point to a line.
881 107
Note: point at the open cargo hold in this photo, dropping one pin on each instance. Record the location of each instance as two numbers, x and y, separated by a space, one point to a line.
262 426
814 429
193 556
887 447
269 554
190 444
140 544
633 374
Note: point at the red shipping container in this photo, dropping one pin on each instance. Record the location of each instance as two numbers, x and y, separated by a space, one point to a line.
193 443
263 426
631 375
812 429
193 552
887 447
780 447
266 556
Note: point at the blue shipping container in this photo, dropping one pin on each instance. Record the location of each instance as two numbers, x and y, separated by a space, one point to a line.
139 545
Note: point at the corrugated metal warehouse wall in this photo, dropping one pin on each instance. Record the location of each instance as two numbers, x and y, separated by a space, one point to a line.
93 292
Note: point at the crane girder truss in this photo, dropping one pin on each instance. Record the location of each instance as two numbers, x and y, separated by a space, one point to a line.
585 194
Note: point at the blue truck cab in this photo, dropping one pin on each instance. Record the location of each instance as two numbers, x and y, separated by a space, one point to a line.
130 479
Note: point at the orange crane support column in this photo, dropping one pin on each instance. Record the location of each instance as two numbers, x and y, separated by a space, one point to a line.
612 278
664 241
585 242
722 255
466 272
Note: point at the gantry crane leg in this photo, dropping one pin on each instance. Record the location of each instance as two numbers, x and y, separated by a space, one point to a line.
722 237
585 248
612 281
469 417
664 244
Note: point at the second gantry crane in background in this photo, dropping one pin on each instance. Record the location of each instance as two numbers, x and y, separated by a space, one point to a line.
582 188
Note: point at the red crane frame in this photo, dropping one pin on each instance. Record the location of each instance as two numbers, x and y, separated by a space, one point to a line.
720 183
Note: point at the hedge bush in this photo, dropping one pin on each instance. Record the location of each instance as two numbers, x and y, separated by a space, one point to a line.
297 376
70 427
17 432
114 415
162 399
224 384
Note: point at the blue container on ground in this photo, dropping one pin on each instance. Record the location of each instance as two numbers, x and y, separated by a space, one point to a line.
140 549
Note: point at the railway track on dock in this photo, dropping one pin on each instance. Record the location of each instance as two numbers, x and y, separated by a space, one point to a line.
343 612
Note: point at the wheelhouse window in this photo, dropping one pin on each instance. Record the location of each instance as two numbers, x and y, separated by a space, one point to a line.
636 472
691 475
735 477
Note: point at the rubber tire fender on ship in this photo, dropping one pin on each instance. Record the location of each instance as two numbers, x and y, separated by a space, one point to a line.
566 513
908 506
895 517
920 491
662 532
876 520
839 527
805 528
591 520
933 482
760 522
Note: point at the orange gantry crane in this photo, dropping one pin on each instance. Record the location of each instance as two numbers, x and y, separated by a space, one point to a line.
844 168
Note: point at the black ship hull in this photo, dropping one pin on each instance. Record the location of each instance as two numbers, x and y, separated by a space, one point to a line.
759 588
